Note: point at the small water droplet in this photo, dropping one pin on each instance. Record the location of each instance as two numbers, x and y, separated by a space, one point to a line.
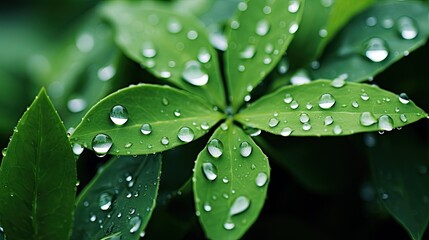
266 10
326 101
85 42
174 26
367 119
288 98
355 104
105 201
339 82
245 149
293 6
106 73
293 28
239 205
384 196
304 118
194 75
286 132
273 122
165 101
262 27
165 141
387 23
242 6
385 122
323 33
306 126
215 148
248 52
146 129
309 106
185 134
192 35
261 179
148 50
283 66
77 149
267 60
364 96
204 55
403 118
328 120
407 28
326 3
119 115
4 152
371 21
92 218
210 171
229 225
177 113
403 98
294 104
164 74
337 130
76 105
376 49
134 223
101 143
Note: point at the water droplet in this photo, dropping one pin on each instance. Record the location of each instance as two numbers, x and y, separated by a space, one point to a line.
293 6
286 132
204 55
205 126
210 171
245 149
85 42
338 82
267 60
288 98
235 24
119 115
294 104
385 123
262 27
177 113
300 77
106 73
384 196
403 98
326 101
165 101
239 205
261 179
165 141
376 49
293 28
326 3
304 118
105 201
146 129
248 52
371 21
407 28
309 106
164 74
355 104
273 122
247 98
76 105
306 126
174 26
323 33
101 143
4 152
266 10
92 218
367 119
135 223
225 180
207 207
283 66
337 130
215 148
192 35
77 149
364 96
387 23
242 6
328 120
403 118
229 225
185 134
148 50
194 75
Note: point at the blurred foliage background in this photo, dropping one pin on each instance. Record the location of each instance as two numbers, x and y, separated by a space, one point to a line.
321 188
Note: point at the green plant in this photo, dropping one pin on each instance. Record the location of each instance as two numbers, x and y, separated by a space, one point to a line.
295 95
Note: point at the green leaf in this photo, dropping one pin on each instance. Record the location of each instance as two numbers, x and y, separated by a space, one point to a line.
320 22
384 33
258 36
171 46
230 190
320 109
119 201
37 184
162 110
399 168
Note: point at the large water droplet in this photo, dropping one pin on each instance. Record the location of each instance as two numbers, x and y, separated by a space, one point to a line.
273 122
326 101
403 98
364 96
134 224
194 75
215 148
294 104
77 149
306 126
105 201
385 122
286 132
261 179
240 205
376 49
185 134
262 27
367 119
101 143
304 118
165 141
245 149
119 115
328 120
293 28
229 225
293 6
204 55
148 50
248 52
146 129
407 28
210 171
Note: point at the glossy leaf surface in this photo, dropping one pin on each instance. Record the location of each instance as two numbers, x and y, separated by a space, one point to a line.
156 118
321 109
38 177
230 183
118 202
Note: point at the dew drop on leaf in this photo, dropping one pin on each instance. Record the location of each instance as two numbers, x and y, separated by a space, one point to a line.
262 27
229 225
293 28
286 132
248 52
364 96
205 126
283 66
242 6
245 149
185 134
194 75
177 113
119 115
385 122
148 50
309 106
101 143
207 207
261 179
164 74
92 218
204 55
77 149
4 152
165 141
215 148
165 101
407 28
403 98
355 104
306 126
328 120
403 118
326 101
367 119
273 122
210 171
76 105
106 73
105 201
304 118
294 104
376 49
134 224
293 6
174 26
337 130
146 129
239 205
288 98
